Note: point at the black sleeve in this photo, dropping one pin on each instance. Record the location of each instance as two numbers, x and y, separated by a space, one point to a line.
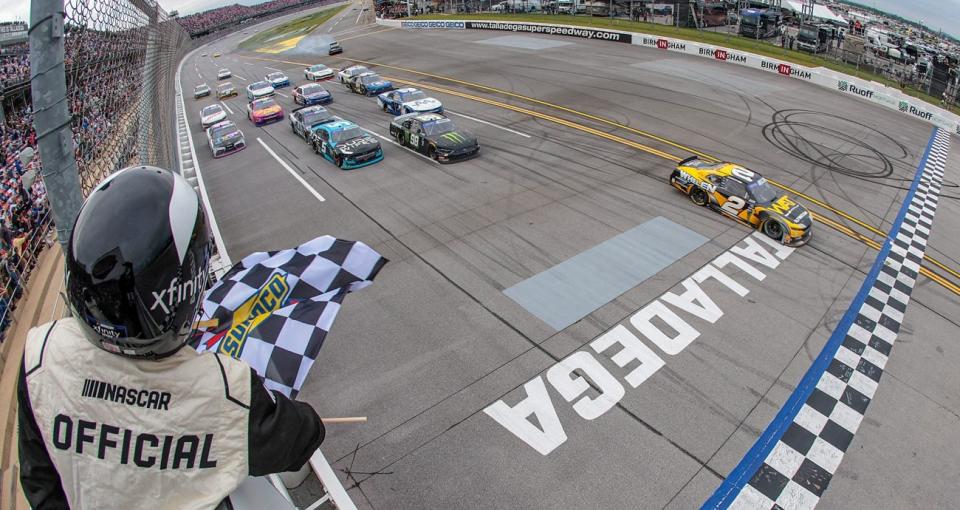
38 476
283 433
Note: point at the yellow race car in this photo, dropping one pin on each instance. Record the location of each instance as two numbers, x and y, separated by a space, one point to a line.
745 196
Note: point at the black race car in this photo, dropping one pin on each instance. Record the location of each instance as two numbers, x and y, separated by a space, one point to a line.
434 135
304 121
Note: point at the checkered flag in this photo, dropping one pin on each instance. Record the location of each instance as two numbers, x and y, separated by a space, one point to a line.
274 309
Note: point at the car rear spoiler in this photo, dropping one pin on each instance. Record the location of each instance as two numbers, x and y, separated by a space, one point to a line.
688 160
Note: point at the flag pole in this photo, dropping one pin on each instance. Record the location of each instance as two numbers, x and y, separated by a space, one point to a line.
344 419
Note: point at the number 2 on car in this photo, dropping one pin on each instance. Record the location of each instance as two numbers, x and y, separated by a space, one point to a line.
733 205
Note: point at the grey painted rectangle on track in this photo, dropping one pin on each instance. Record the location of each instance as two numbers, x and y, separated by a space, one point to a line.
524 42
572 289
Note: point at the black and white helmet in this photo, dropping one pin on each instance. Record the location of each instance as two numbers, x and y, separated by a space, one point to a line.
137 262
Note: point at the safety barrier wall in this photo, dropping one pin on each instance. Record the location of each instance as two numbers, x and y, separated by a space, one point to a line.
857 88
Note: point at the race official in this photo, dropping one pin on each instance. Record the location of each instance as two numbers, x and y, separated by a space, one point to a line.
113 412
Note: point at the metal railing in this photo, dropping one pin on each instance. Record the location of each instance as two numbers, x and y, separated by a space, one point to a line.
17 267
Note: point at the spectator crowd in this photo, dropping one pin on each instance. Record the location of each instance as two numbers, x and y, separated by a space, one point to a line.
103 91
14 65
215 18
23 208
104 77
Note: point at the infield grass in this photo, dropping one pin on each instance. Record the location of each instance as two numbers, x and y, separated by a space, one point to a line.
299 26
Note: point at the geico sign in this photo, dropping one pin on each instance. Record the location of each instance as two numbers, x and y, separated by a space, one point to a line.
626 350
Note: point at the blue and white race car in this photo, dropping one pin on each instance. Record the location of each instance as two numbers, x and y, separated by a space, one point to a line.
346 145
311 93
278 80
368 84
408 100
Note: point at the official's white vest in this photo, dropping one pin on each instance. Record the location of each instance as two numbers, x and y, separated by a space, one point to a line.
125 434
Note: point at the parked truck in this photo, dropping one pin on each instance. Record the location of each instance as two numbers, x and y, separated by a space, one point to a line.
517 6
571 6
760 23
813 38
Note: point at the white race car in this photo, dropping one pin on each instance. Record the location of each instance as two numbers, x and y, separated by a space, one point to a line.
318 72
224 138
408 100
224 74
345 74
212 114
260 89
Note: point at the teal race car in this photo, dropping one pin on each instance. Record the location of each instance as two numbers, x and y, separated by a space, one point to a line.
346 145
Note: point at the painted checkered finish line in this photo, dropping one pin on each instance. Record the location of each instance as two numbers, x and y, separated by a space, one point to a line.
793 461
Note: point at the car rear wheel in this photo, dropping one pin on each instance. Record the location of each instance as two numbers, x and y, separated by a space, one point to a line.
773 229
400 137
698 196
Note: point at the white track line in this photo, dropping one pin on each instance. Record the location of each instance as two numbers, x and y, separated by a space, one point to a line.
292 172
355 29
217 237
274 68
282 94
241 77
391 140
487 123
227 107
358 15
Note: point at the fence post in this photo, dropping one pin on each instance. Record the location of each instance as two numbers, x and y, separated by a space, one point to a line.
149 94
52 119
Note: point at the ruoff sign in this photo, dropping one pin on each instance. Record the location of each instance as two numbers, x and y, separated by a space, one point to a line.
844 86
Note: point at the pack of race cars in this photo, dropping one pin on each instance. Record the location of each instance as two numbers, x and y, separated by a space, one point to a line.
419 124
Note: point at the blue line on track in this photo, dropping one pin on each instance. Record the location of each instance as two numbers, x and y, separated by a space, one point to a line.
740 476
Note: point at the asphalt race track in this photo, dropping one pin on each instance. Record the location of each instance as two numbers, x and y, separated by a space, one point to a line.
436 341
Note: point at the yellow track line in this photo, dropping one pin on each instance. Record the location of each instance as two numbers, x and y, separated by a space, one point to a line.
525 111
647 135
877 246
862 224
541 102
546 117
837 226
